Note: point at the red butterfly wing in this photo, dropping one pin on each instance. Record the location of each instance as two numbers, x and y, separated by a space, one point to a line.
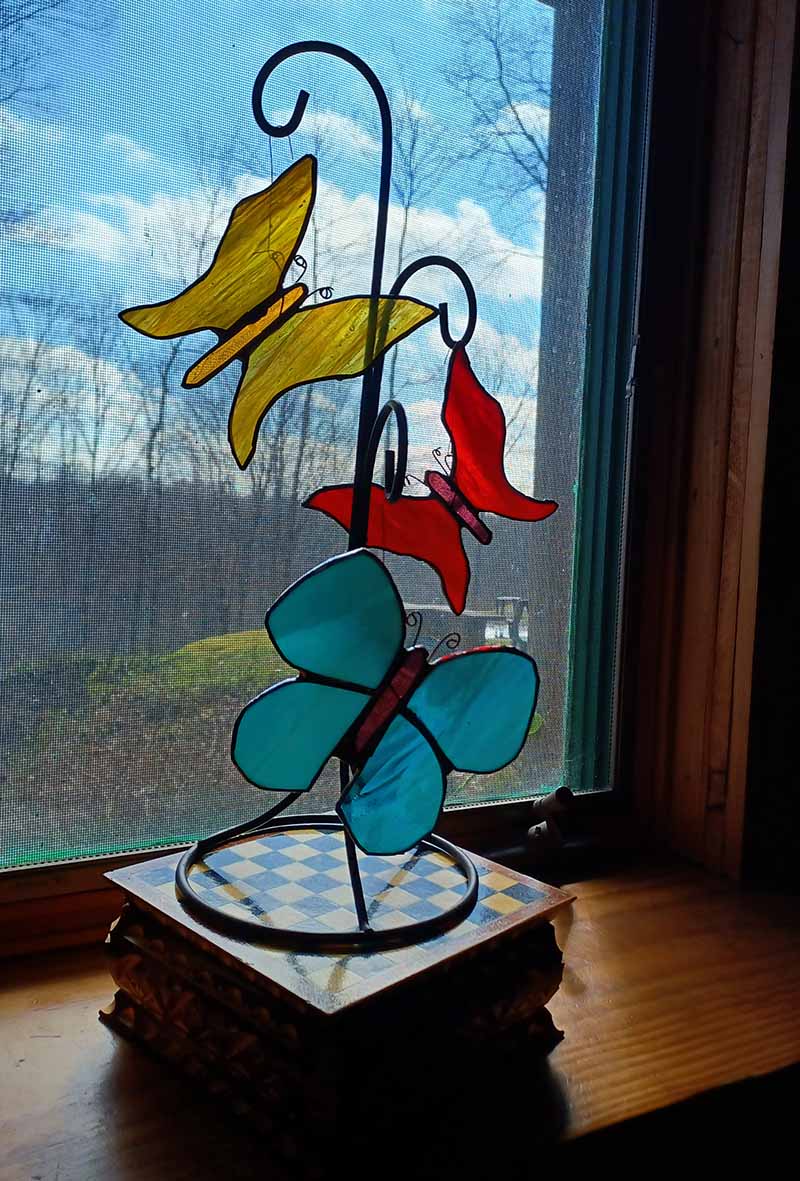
477 426
418 526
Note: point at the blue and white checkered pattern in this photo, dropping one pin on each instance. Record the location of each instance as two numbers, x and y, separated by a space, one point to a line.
299 880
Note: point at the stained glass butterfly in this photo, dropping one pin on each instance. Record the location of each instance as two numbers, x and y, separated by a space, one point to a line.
258 321
402 721
430 527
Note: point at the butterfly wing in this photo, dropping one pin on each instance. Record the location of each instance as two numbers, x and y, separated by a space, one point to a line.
416 526
283 739
477 427
478 706
329 340
343 621
396 798
250 262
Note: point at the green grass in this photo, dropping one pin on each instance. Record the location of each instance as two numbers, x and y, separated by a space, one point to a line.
87 701
111 752
216 666
102 753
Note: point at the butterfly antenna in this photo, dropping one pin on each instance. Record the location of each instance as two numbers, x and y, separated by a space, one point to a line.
450 641
322 292
414 619
412 479
437 455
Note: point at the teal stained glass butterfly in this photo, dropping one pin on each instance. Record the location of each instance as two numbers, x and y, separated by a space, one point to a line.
400 720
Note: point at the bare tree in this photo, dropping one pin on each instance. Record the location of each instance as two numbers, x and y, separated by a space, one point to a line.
503 75
30 30
28 401
423 154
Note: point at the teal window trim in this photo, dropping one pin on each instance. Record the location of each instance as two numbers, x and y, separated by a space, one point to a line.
609 396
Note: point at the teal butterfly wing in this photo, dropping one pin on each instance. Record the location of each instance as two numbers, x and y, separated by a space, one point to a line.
342 625
472 712
283 739
478 706
343 622
396 798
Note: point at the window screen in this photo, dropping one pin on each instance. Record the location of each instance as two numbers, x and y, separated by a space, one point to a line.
136 560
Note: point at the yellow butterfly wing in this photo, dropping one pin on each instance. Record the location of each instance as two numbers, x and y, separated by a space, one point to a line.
326 341
253 255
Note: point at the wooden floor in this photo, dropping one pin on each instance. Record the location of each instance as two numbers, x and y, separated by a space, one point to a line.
675 983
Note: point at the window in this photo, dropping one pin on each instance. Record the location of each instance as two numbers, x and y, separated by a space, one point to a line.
137 562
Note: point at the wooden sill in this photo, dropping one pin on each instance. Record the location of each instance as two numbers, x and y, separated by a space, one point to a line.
73 904
675 983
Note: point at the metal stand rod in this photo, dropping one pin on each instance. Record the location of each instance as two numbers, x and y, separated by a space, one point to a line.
248 828
370 388
355 882
352 859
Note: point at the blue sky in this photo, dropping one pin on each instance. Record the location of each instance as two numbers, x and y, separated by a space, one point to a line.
107 165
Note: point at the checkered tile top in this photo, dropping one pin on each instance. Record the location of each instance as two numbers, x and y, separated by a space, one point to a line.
299 880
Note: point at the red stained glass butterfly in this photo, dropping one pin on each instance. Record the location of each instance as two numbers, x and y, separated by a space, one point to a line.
430 527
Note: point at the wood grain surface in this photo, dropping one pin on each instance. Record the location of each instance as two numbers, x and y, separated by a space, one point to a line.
675 983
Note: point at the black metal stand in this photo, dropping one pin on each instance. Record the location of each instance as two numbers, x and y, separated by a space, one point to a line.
366 938
371 424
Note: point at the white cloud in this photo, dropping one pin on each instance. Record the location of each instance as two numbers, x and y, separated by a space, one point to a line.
166 241
14 129
74 230
90 234
498 266
101 403
505 359
526 118
131 152
409 107
503 363
37 230
176 236
340 129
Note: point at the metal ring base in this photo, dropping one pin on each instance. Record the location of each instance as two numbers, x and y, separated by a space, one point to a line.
366 939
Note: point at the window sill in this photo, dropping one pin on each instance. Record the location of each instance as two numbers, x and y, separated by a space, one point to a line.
676 983
69 904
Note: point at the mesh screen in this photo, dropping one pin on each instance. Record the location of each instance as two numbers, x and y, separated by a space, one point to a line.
136 561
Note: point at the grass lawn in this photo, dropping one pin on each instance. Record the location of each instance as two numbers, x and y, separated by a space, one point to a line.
107 753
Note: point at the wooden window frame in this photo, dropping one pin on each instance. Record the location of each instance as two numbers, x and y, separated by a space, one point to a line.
711 252
711 275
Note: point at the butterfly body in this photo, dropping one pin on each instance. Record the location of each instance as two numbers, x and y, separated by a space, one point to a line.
237 344
282 341
401 721
465 515
430 527
384 705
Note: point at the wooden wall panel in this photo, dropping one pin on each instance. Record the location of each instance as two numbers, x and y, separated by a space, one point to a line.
691 754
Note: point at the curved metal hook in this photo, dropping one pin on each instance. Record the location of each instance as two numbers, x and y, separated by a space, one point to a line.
370 388
434 260
398 480
281 130
440 260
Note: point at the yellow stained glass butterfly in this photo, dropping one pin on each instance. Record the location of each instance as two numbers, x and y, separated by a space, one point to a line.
261 323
